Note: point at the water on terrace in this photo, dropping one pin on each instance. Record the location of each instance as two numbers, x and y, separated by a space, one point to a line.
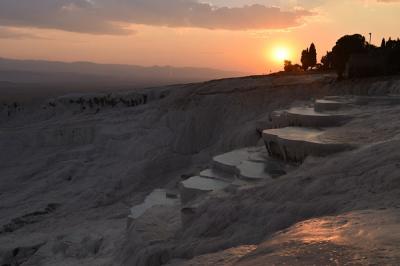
206 184
156 198
308 111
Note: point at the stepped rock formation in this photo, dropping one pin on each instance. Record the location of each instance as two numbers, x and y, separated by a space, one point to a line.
72 174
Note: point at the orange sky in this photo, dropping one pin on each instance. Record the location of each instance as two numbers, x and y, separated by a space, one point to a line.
213 38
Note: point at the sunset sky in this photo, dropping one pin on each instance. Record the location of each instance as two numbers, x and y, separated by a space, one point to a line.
242 35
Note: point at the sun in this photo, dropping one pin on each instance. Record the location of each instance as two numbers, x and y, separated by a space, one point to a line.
281 53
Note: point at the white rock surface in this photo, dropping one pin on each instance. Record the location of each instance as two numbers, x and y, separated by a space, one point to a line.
275 119
308 117
95 165
253 171
322 105
156 198
296 143
227 162
393 99
206 184
215 174
197 185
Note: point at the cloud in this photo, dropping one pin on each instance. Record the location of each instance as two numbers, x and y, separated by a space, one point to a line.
113 16
280 3
10 33
68 15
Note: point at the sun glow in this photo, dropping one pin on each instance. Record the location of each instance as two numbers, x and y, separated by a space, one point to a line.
281 53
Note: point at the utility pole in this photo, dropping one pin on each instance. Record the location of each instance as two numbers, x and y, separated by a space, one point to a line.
370 38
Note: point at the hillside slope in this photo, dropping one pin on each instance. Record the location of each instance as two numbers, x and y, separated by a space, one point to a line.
72 167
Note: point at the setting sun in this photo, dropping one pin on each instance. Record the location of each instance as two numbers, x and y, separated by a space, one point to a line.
281 54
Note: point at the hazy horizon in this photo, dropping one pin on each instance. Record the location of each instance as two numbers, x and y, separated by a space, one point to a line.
242 35
25 79
115 64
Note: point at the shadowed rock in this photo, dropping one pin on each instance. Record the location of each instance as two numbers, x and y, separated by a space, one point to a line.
329 105
295 144
308 117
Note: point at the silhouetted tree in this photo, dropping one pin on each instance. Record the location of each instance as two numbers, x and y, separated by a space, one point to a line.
392 53
305 61
346 46
287 65
312 55
383 43
326 61
392 44
309 57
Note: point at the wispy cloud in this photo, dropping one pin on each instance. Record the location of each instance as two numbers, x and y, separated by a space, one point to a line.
113 16
12 33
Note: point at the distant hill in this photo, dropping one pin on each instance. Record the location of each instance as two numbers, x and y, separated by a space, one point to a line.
22 77
86 73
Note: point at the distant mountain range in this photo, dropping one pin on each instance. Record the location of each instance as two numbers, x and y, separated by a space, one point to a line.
48 72
50 78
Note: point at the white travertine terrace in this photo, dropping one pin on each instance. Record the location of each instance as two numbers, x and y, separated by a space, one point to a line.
156 198
308 117
215 174
93 164
253 171
322 105
276 119
296 143
390 99
228 161
201 183
197 185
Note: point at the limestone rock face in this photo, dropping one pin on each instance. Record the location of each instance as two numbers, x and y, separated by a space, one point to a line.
322 105
227 162
295 144
392 99
148 236
275 119
197 185
253 170
217 174
308 117
350 238
96 163
158 197
19 255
